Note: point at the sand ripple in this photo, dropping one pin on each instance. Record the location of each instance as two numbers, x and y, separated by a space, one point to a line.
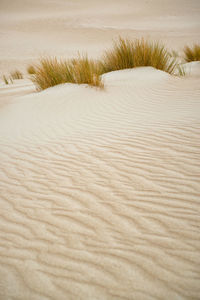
100 191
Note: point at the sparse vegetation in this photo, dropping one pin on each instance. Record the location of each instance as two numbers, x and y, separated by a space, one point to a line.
180 70
120 57
192 53
16 75
5 79
31 70
52 71
174 53
86 71
130 54
124 54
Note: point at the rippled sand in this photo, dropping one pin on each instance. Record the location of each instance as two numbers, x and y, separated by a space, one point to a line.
100 189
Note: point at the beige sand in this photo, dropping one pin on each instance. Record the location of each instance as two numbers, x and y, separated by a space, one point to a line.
99 190
33 28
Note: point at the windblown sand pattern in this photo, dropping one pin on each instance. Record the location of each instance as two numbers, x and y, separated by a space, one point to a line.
100 190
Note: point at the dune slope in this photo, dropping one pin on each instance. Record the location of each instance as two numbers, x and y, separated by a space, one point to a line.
100 190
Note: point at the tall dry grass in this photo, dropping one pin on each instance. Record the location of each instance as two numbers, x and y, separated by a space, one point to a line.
124 54
86 71
51 71
130 54
192 53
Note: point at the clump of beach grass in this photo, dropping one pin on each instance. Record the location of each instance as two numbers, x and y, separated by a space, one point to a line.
16 75
120 57
86 71
51 71
138 53
125 54
192 53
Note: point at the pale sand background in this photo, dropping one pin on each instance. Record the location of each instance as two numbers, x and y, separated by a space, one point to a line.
61 27
99 190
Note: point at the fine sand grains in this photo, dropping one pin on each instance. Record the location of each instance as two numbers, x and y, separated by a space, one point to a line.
100 190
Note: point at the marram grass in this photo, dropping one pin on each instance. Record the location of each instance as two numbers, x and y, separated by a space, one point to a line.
86 71
16 75
52 71
138 53
192 53
125 54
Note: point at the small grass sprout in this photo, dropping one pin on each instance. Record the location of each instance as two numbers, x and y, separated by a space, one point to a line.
16 75
192 53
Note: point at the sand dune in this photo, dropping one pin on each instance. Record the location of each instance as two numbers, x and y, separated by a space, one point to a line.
99 189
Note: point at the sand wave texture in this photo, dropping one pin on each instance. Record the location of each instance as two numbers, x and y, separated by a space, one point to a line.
100 190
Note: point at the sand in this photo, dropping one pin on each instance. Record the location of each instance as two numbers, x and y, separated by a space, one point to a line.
99 189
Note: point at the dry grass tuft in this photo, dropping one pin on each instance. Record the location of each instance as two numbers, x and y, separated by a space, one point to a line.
87 71
120 57
192 53
124 54
52 71
130 54
16 75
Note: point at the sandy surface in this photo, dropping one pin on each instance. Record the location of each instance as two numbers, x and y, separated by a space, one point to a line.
32 28
99 189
